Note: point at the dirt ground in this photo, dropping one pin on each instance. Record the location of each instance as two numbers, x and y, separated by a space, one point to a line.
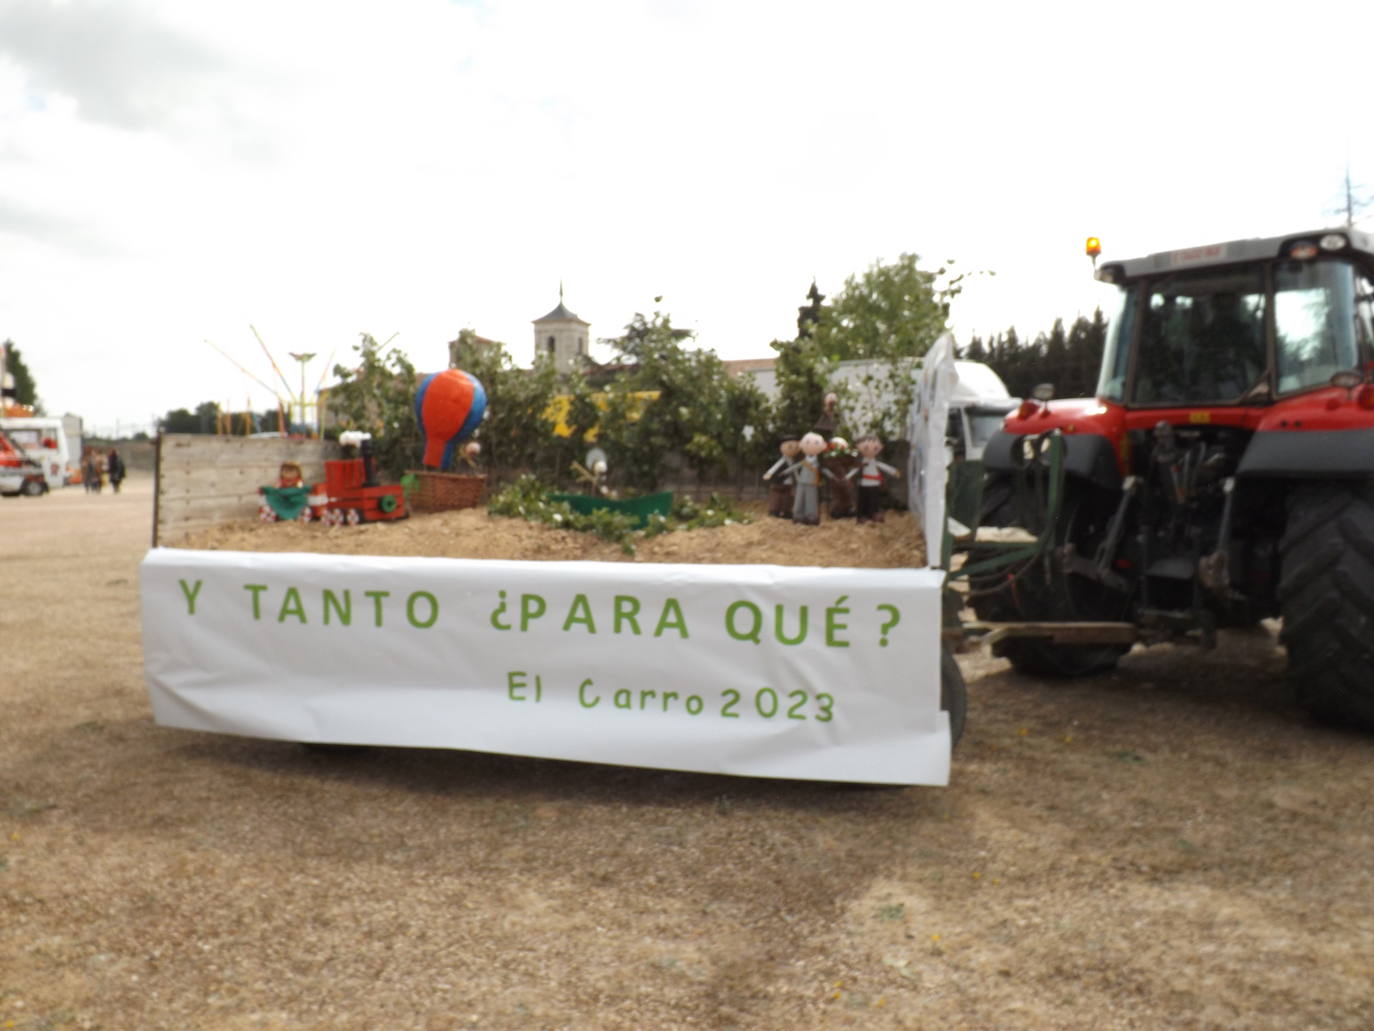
1173 845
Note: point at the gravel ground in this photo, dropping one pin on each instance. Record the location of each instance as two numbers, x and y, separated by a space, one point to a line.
1173 845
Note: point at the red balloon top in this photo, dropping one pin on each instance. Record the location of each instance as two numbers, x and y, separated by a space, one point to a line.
447 402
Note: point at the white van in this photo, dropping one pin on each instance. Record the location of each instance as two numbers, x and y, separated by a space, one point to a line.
44 439
976 409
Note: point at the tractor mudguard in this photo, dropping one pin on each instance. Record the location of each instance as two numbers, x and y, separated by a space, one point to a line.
1086 456
1309 454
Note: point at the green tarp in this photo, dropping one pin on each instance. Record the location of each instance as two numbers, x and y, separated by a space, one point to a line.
287 502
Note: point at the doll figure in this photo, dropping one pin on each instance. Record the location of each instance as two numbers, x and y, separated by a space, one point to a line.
828 420
289 475
805 505
781 482
289 499
870 473
838 461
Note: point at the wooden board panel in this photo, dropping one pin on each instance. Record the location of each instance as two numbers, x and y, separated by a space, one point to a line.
203 480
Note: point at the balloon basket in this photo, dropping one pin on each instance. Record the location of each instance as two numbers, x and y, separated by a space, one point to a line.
439 492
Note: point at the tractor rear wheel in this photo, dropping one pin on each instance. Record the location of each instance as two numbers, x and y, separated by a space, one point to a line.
1044 592
1326 596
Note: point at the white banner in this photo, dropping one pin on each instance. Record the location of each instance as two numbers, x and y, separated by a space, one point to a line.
769 671
929 464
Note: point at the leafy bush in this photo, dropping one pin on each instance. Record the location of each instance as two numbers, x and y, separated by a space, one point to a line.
378 397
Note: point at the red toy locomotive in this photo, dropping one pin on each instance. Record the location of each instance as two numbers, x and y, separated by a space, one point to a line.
349 494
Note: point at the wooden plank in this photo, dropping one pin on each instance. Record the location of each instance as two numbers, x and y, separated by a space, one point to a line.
1088 632
203 480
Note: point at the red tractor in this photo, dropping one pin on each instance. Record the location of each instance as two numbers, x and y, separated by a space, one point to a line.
1223 474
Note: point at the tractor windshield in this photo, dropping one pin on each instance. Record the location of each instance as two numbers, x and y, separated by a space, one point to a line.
1201 336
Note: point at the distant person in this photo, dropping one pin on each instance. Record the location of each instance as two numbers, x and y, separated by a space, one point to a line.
90 473
115 466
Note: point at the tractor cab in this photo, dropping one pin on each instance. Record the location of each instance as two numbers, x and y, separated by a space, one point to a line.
1242 323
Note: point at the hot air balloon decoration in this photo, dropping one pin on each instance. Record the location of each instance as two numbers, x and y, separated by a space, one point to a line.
449 406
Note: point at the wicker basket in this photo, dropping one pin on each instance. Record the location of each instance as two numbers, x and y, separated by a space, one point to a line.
439 492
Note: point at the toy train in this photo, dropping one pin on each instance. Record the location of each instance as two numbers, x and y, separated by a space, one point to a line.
350 494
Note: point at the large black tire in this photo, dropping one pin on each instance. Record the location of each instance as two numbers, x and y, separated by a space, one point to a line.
1043 593
33 488
953 695
1326 596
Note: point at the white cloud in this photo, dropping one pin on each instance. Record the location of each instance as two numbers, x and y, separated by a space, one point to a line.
173 172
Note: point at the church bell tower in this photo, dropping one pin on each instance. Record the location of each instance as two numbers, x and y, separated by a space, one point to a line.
562 336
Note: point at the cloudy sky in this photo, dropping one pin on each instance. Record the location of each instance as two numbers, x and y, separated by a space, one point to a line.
173 172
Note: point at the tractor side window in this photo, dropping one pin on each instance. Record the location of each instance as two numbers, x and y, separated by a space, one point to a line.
1314 322
1202 339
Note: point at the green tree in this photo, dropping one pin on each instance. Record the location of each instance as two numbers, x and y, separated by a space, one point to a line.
179 420
890 315
378 397
1067 360
25 390
698 410
804 374
895 310
1087 337
202 420
1057 353
518 434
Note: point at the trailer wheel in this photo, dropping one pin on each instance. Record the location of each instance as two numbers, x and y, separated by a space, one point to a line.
1043 592
354 516
953 695
1326 596
33 488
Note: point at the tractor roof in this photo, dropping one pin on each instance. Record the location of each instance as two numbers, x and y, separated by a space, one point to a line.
1356 243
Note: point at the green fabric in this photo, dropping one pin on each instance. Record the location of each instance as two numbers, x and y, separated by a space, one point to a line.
641 508
287 502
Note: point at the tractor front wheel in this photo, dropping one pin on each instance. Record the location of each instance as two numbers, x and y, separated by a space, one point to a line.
1326 595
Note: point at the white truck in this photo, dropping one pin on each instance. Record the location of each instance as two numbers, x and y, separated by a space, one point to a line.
976 409
45 440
